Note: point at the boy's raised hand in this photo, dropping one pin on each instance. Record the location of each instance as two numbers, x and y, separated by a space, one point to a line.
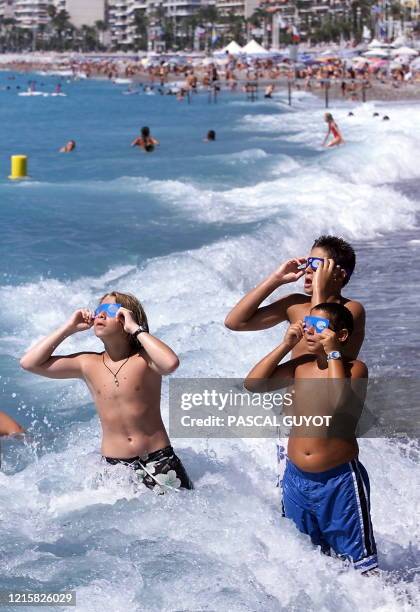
81 320
288 271
328 278
127 320
294 334
329 341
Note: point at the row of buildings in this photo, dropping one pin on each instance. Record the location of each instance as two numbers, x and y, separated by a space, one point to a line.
34 13
122 17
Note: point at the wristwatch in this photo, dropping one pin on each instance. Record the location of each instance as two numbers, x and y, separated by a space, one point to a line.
333 355
140 328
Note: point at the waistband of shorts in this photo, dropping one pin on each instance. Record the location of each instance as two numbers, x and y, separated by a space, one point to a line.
154 456
320 476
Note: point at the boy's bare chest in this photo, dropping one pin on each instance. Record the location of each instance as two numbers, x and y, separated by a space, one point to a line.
120 381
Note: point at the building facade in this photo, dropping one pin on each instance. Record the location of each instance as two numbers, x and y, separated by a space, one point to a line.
239 8
7 10
30 14
124 17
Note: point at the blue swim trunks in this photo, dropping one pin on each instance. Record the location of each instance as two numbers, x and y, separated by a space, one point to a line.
333 508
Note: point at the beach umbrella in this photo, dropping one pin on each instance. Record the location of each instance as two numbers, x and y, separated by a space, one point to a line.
399 41
415 64
383 53
404 51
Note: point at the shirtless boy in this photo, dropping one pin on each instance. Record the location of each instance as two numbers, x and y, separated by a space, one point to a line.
327 270
325 487
125 384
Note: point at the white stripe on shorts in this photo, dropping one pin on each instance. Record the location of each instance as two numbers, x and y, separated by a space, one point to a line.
359 508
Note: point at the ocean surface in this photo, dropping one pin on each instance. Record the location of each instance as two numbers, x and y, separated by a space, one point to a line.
189 229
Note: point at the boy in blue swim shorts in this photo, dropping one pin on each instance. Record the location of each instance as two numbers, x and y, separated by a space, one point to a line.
326 490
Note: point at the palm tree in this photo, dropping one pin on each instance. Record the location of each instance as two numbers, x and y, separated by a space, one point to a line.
60 22
141 22
208 17
101 27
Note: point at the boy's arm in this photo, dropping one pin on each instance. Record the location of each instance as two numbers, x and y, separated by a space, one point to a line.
268 374
39 360
341 390
247 314
327 281
355 341
159 356
9 426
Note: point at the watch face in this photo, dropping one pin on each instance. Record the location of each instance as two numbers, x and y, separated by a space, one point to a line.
334 355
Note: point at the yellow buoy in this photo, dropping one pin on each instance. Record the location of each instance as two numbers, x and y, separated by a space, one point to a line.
19 167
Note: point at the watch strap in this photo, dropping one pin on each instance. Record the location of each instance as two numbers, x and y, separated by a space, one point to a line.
138 330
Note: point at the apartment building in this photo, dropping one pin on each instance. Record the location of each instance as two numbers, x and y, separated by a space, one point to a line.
239 8
7 10
31 13
122 17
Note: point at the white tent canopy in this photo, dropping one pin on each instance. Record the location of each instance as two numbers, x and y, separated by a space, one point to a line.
404 51
399 41
232 48
376 53
377 44
253 48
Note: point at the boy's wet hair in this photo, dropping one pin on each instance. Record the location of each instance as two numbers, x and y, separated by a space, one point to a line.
340 251
145 131
339 316
129 301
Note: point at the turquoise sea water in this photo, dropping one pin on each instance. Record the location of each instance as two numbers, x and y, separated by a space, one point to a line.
188 229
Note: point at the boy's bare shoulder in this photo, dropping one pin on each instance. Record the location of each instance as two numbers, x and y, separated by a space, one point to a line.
355 307
357 368
295 301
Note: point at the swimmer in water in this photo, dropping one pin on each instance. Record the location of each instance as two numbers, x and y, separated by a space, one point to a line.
211 136
332 129
269 91
125 383
325 487
145 141
69 147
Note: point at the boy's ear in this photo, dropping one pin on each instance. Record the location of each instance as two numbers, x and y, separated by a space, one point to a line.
342 274
343 335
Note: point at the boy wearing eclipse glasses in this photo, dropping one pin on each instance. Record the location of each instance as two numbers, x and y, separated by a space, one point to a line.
327 270
325 488
125 384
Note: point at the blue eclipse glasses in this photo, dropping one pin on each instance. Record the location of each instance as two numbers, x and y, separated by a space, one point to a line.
318 323
110 309
312 262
